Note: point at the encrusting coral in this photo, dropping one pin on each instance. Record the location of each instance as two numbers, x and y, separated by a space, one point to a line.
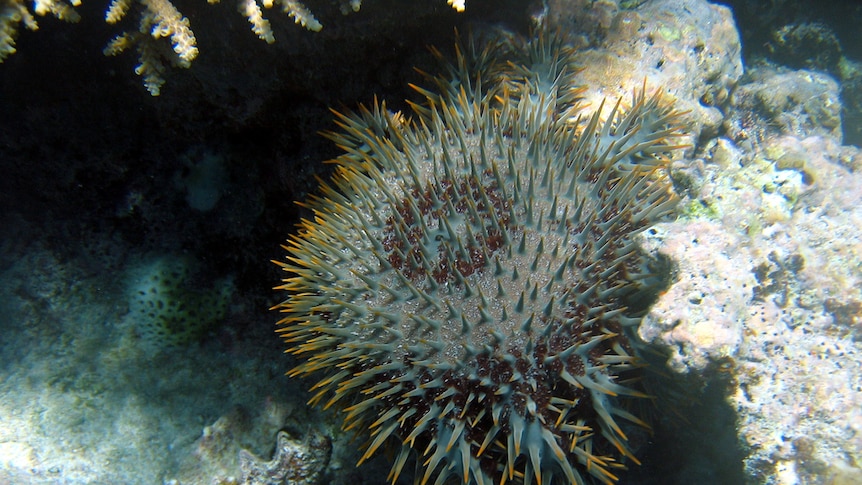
468 285
157 19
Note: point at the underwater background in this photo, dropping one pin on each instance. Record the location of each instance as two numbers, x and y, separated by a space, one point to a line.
145 194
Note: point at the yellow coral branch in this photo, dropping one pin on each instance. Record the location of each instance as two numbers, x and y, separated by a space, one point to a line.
259 24
58 9
157 19
168 22
301 14
14 12
117 10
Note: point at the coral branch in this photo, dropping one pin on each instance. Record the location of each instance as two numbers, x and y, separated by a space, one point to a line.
301 14
156 19
14 12
259 24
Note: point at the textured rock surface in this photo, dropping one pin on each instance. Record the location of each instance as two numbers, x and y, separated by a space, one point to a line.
767 253
769 261
778 101
690 48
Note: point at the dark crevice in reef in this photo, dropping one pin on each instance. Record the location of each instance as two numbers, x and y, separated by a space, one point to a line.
693 436
693 428
663 271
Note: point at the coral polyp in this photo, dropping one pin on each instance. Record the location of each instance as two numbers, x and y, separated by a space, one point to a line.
463 289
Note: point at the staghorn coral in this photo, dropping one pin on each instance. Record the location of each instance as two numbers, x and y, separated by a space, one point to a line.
157 19
160 19
15 12
466 287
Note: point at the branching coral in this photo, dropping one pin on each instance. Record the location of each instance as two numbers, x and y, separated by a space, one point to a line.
15 12
157 19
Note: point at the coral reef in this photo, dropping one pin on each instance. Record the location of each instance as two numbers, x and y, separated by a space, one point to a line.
810 35
768 284
809 45
777 101
689 47
469 281
73 369
766 253
157 19
764 311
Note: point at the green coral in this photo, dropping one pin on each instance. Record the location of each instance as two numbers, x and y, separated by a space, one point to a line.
700 209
